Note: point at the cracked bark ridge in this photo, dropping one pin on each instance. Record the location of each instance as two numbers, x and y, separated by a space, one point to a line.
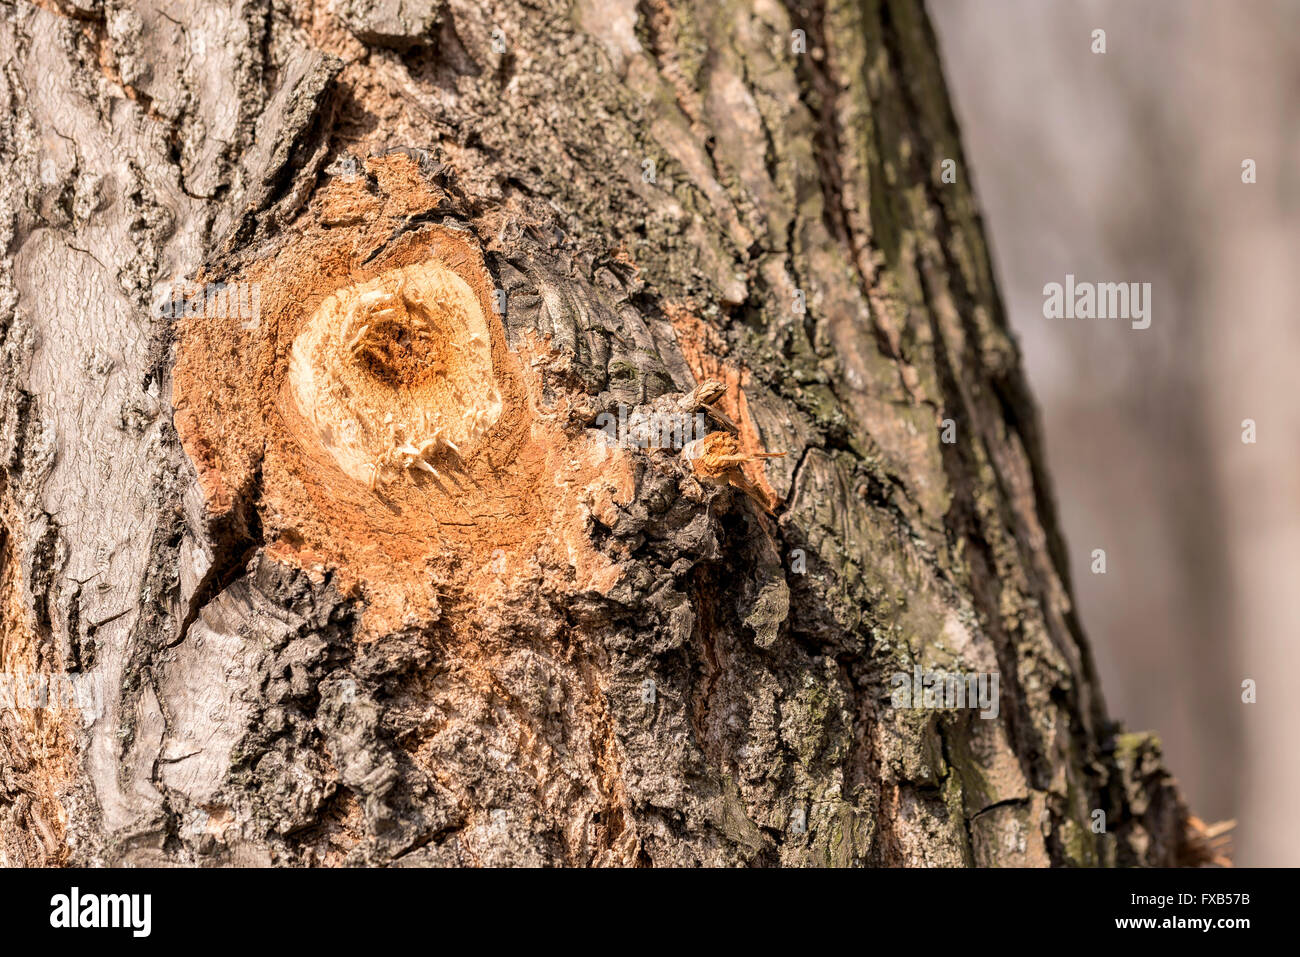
636 673
398 24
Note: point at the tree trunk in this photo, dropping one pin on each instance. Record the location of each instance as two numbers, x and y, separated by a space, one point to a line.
512 239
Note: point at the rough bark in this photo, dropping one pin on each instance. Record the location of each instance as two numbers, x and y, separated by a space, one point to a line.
653 670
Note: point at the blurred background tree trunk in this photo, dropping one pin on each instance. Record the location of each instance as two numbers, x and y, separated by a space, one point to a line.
1144 428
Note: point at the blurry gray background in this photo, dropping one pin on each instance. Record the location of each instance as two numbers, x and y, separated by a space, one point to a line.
1127 167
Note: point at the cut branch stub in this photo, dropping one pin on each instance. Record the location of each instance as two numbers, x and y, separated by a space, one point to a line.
396 372
374 422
